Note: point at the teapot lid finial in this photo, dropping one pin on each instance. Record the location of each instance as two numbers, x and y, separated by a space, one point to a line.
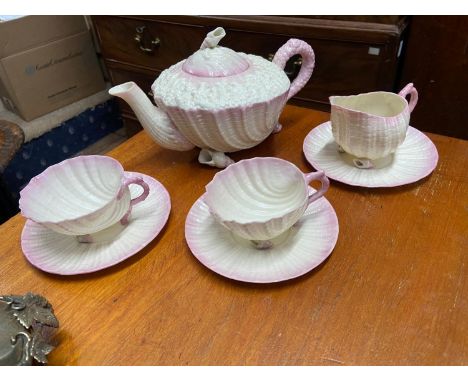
213 38
212 60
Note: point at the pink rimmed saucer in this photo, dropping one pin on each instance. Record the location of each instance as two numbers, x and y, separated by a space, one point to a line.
414 159
302 248
65 255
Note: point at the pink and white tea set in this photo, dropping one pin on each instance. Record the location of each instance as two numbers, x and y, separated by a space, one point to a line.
259 220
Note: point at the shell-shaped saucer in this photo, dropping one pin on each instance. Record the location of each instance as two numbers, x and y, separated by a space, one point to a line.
297 251
414 159
65 255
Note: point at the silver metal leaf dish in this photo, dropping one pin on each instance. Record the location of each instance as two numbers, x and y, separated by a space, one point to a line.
26 327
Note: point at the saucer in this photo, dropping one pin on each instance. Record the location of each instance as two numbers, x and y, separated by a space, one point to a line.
65 255
414 159
302 248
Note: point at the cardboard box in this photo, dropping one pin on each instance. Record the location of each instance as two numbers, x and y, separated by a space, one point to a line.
30 32
45 78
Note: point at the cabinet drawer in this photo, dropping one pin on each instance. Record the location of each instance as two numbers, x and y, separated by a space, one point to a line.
341 67
176 41
350 59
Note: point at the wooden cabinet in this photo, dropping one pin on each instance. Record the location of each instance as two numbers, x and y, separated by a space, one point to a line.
436 60
175 42
353 54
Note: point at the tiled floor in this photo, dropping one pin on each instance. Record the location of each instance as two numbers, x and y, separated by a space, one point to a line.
105 144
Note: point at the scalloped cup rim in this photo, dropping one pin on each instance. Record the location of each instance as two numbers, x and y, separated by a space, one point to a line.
40 177
360 112
267 219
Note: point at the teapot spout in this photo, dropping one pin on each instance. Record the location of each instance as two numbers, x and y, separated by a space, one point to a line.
155 121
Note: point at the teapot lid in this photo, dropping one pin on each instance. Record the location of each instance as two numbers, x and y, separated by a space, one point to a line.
213 60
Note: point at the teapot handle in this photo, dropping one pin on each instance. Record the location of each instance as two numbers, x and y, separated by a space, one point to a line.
292 47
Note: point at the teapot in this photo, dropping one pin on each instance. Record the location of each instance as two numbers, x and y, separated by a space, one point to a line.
217 99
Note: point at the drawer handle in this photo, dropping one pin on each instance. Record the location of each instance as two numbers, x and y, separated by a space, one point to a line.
139 38
295 68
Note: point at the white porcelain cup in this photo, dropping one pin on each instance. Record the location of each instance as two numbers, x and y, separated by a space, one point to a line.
259 199
372 125
81 196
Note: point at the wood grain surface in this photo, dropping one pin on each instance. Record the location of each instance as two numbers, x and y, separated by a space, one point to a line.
393 292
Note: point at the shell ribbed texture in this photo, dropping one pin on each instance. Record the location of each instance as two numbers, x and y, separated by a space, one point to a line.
366 135
96 221
229 129
76 196
258 199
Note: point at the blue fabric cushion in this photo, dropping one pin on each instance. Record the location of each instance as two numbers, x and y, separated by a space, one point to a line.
61 143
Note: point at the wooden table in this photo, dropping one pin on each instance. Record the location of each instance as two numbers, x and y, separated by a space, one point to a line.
394 290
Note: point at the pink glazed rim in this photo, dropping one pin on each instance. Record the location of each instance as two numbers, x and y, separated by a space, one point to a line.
40 179
157 190
245 162
360 112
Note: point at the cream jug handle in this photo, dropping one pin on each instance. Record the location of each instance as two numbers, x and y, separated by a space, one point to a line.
410 89
320 176
292 47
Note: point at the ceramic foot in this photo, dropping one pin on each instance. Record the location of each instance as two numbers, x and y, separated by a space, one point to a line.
106 235
214 158
85 238
262 244
277 128
363 163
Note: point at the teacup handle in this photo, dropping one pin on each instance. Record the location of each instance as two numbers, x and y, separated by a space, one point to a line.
410 89
126 182
320 176
294 46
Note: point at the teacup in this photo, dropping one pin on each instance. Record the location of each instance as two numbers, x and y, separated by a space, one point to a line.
259 199
81 196
371 126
